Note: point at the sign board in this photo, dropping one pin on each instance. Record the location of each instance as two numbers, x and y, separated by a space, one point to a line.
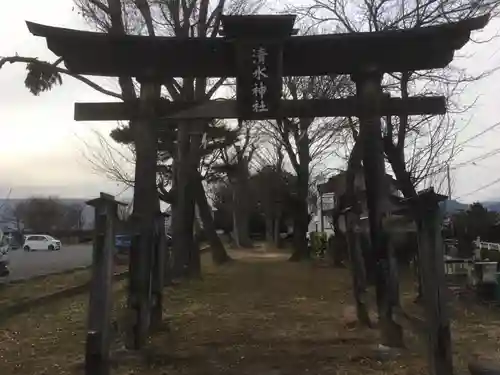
328 201
259 81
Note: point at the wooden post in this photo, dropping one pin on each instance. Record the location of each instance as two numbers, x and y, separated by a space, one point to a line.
369 92
431 266
98 334
158 277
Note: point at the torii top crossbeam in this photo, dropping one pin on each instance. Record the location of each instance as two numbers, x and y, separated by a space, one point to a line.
137 56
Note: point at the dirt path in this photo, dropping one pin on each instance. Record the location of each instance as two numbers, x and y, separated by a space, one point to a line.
263 315
257 315
259 254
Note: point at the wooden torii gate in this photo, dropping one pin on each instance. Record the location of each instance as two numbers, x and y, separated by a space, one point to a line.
259 51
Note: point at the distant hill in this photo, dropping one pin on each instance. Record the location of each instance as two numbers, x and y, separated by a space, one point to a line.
453 206
492 206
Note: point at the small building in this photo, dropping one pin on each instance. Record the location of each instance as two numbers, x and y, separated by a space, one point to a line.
336 186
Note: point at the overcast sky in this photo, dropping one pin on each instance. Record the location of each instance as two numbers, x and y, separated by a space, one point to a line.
41 152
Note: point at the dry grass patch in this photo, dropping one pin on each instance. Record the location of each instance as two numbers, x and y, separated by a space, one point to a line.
11 294
48 339
14 293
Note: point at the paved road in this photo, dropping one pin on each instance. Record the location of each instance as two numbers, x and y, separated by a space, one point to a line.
28 264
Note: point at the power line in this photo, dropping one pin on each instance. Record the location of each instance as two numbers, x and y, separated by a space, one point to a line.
488 129
464 143
473 160
481 157
481 188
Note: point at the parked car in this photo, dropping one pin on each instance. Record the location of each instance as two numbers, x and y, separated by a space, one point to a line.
41 242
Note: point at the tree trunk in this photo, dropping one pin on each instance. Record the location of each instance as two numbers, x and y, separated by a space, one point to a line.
301 250
186 253
403 178
394 274
236 225
167 259
219 254
193 266
357 271
357 262
335 244
181 244
240 208
301 221
277 231
158 269
338 252
177 263
270 229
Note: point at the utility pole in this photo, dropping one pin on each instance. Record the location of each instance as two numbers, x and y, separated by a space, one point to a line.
448 177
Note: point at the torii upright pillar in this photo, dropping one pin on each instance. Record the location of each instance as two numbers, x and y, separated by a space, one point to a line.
146 207
369 92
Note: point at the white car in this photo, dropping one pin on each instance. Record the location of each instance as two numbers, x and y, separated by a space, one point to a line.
41 242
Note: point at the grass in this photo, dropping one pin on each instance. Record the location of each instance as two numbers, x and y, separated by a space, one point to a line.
20 291
14 293
257 315
49 339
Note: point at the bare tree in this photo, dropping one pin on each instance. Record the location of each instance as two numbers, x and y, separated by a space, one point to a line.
12 214
418 148
307 141
47 214
115 162
73 216
235 164
270 162
415 147
200 19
